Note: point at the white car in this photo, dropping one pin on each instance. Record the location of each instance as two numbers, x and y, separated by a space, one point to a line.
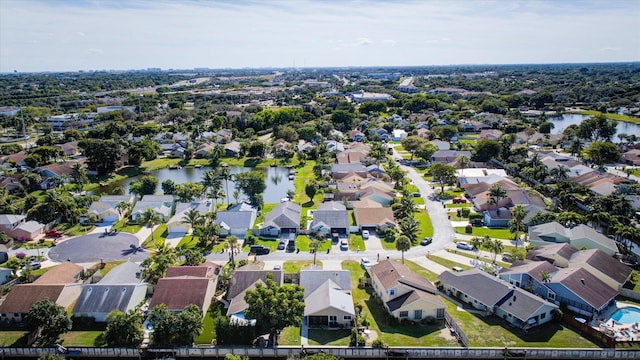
463 245
365 234
344 245
365 263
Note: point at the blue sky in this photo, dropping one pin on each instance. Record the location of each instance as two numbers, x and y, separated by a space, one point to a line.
59 35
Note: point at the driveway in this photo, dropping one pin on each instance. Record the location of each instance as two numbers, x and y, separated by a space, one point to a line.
94 247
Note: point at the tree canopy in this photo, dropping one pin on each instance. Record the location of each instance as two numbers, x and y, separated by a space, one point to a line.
50 320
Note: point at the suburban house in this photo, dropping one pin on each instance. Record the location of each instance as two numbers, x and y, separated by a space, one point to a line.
232 149
5 275
449 156
579 236
160 204
398 134
404 294
116 291
606 268
237 220
284 218
203 150
371 218
331 217
441 145
497 218
243 279
60 285
105 209
68 149
327 297
555 254
177 225
186 285
53 173
494 296
4 254
18 228
355 135
631 157
581 291
490 134
531 276
350 156
342 171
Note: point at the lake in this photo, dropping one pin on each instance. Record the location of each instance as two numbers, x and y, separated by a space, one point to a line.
561 123
277 179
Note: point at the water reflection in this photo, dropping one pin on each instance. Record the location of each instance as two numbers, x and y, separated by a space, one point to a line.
561 123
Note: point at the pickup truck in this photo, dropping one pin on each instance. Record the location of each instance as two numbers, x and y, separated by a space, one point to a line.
53 233
459 201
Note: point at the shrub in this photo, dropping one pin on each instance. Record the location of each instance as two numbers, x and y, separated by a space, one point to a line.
465 212
378 344
475 215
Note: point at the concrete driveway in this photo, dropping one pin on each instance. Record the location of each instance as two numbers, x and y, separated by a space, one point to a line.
94 247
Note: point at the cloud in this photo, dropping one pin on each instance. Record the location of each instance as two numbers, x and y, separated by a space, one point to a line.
93 51
363 41
80 33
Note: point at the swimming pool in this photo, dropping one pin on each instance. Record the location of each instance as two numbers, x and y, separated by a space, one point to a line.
626 315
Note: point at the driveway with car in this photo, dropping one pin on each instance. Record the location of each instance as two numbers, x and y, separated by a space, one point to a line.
94 247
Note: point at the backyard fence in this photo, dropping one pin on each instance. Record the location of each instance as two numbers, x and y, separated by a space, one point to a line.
590 332
460 335
345 352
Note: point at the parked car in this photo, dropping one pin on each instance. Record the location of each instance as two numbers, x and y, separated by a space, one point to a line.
464 246
281 245
426 241
457 269
344 245
34 265
508 257
259 250
365 234
53 233
365 263
459 200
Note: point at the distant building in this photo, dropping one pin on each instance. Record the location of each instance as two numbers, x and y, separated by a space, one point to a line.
362 96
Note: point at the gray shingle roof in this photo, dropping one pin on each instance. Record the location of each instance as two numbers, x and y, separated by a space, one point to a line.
284 215
105 298
310 280
126 273
328 295
476 284
332 218
235 219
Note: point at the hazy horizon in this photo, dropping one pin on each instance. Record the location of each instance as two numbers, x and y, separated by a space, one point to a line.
62 36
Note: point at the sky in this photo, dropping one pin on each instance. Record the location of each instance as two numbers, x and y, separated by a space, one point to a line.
59 35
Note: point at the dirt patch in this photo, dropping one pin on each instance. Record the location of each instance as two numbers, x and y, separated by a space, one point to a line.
446 334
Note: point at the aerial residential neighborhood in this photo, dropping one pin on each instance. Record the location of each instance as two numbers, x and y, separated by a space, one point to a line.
378 209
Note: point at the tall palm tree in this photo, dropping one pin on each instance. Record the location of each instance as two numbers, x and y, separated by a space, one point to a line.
314 245
225 174
476 242
191 217
462 163
151 218
232 245
79 175
497 193
403 244
496 248
209 179
546 276
517 221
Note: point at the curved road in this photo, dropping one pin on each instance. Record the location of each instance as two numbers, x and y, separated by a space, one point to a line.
92 248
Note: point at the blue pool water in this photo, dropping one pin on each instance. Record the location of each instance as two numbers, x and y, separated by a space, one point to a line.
627 315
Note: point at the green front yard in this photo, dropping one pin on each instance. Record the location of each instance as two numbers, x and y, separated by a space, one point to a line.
482 231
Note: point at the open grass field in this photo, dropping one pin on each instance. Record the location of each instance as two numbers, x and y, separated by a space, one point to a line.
482 231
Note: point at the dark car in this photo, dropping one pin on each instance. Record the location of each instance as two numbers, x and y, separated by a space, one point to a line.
259 249
426 241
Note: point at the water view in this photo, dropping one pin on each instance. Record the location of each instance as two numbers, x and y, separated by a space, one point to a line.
277 179
561 123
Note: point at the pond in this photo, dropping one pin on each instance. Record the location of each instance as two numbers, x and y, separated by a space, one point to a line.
560 123
277 179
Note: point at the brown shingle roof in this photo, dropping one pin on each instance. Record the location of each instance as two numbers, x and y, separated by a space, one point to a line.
585 285
412 297
243 278
368 216
392 273
64 273
23 296
603 263
178 292
205 270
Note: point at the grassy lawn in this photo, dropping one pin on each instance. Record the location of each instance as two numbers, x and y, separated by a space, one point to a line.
159 234
303 175
329 337
9 338
482 231
634 281
209 331
80 338
426 227
356 243
159 163
266 208
493 332
386 244
618 117
289 336
294 266
78 229
392 335
464 205
122 226
417 269
448 263
109 265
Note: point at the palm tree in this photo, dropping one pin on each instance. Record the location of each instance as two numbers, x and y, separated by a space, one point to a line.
570 219
403 244
123 207
314 245
79 175
151 217
462 163
517 221
546 276
232 244
496 248
497 193
476 242
225 174
598 218
409 227
191 217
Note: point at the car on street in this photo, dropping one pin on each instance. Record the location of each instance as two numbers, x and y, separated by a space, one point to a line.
365 263
426 241
344 245
463 245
